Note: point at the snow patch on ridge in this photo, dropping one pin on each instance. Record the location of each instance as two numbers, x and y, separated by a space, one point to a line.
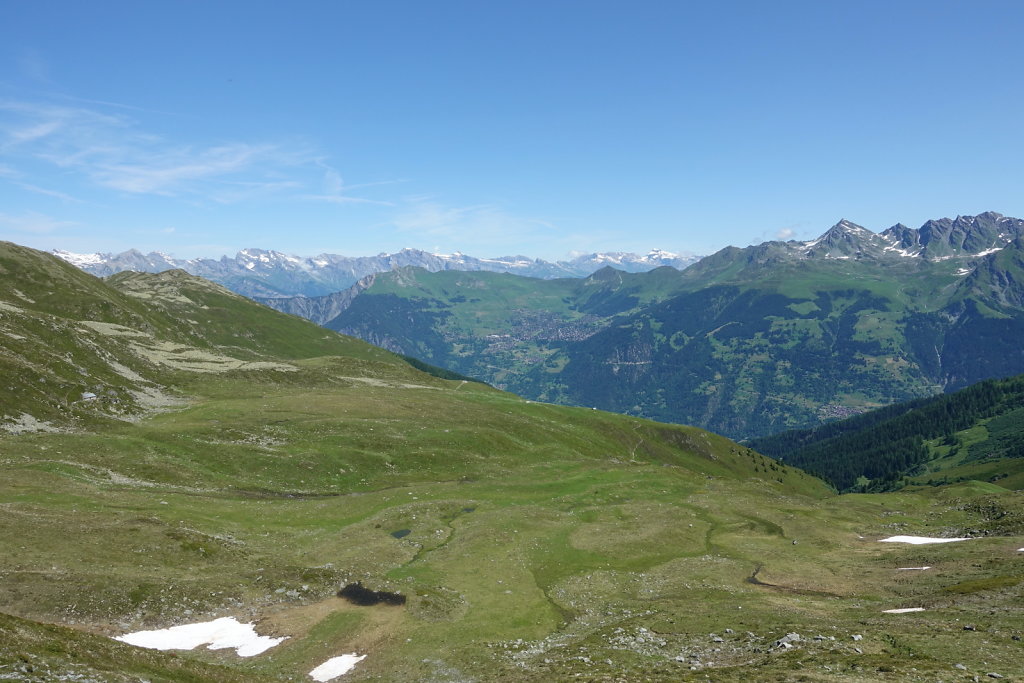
79 259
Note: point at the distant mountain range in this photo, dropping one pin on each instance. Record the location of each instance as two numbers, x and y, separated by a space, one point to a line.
747 341
273 274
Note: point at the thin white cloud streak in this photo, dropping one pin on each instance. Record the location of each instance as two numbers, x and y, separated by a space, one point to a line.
171 172
335 191
33 223
111 151
117 105
481 226
33 132
235 191
785 234
49 193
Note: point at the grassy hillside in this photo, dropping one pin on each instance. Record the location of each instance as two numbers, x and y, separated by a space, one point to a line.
78 349
531 541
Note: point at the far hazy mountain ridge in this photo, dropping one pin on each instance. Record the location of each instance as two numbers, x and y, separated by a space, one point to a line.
272 274
965 238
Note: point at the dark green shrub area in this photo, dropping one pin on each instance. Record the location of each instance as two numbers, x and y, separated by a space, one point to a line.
886 444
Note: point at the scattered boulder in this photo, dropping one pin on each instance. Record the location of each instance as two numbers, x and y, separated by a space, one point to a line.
786 641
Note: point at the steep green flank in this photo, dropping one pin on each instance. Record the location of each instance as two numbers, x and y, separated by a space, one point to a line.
78 349
975 433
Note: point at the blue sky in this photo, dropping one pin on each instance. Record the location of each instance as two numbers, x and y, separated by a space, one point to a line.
527 127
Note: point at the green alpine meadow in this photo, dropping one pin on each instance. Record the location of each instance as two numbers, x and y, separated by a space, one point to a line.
511 342
174 454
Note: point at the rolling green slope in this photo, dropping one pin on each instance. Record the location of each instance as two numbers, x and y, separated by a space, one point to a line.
531 541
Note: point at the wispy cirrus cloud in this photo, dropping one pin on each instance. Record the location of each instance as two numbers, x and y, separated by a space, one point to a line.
112 151
177 170
336 191
56 194
33 222
478 226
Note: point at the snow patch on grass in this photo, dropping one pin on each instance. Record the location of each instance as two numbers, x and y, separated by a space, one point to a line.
903 610
919 540
336 666
220 634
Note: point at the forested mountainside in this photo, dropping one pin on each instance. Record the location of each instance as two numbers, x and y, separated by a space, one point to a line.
974 433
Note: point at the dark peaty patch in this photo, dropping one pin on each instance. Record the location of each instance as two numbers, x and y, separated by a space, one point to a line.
358 595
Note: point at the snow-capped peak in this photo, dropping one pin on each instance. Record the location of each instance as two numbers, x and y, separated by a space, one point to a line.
849 226
79 260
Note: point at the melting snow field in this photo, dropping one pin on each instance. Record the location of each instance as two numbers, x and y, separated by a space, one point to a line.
335 667
903 610
907 569
221 633
918 540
